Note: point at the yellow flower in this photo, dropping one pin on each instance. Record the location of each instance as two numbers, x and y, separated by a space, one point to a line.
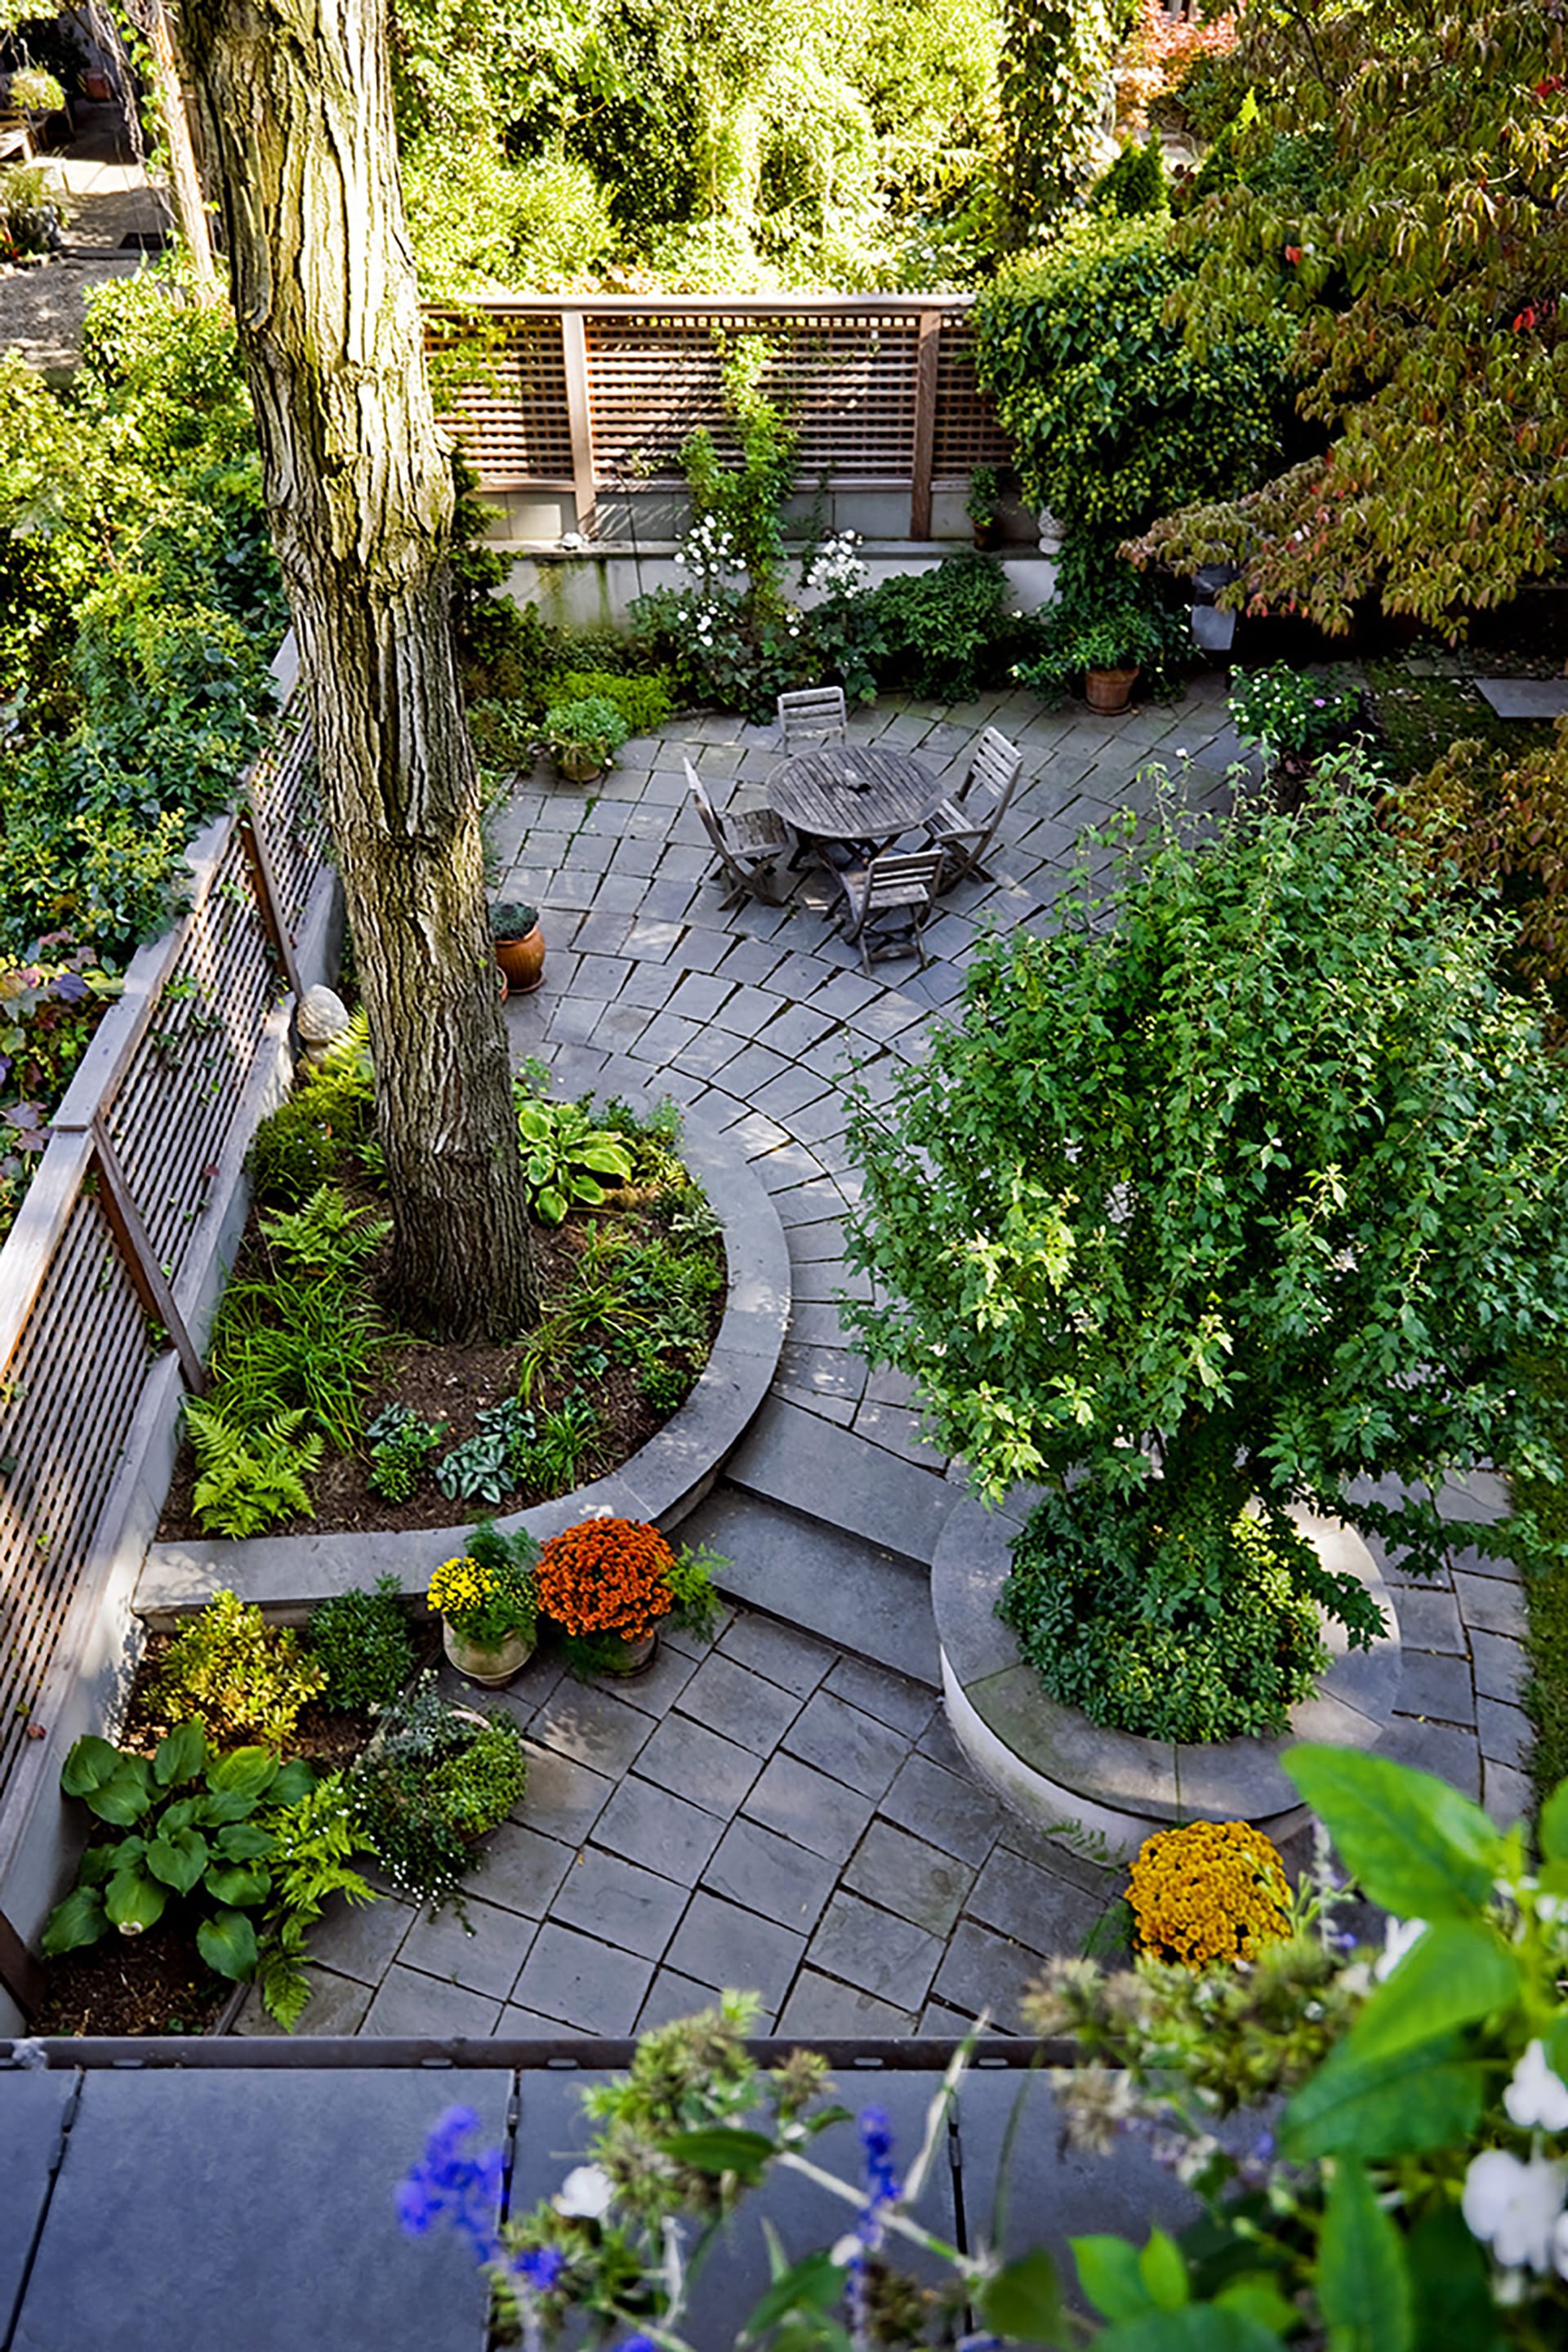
1208 1892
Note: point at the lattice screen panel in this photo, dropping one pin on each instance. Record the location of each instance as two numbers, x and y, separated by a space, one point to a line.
967 433
512 419
287 802
66 1409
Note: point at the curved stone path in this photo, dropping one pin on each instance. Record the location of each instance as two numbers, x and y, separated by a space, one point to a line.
789 1811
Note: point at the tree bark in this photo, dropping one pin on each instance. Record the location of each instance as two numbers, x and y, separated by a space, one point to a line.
297 112
184 182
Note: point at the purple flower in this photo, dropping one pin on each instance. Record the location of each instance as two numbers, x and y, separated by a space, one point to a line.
639 2344
540 2267
877 2143
450 2186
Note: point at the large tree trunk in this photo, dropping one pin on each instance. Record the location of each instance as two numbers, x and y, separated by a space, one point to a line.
298 118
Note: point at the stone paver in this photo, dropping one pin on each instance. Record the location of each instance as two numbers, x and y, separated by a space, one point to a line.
787 1810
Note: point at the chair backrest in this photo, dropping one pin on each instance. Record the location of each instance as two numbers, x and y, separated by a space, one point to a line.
995 767
712 824
902 878
815 714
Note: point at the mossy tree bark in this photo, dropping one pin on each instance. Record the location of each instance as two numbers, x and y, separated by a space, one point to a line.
297 112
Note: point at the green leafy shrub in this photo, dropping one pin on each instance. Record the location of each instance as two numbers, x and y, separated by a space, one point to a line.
1136 184
362 1643
482 1468
316 1344
312 1845
644 703
209 1845
249 1474
326 1129
401 1444
487 1593
237 1674
1264 1186
435 1778
945 632
590 728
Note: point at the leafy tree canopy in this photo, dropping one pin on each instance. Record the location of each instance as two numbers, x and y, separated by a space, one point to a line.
1421 264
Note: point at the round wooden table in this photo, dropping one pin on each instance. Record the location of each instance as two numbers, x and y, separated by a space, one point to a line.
850 791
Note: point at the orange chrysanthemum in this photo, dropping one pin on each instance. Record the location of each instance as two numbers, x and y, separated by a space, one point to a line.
606 1576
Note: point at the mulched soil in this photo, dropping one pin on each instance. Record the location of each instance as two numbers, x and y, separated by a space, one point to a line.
453 1382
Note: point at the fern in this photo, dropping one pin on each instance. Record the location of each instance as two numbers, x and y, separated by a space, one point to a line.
328 1234
310 1861
248 1477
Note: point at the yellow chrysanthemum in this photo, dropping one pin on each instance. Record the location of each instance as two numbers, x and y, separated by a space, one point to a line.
458 1586
1208 1892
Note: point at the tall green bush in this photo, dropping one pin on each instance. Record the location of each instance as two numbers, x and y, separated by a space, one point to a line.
1255 1190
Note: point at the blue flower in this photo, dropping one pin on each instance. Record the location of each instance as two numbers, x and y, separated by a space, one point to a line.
877 2144
541 2266
639 2344
450 2186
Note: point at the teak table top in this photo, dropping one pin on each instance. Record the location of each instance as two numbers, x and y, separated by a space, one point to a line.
851 792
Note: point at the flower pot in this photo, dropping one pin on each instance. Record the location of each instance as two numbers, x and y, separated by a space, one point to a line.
1109 690
986 535
490 1668
523 961
628 1653
578 767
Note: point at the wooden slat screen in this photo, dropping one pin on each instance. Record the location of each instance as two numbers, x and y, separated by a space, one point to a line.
75 1345
845 372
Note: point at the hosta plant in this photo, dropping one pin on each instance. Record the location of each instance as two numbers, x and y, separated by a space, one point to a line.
566 1159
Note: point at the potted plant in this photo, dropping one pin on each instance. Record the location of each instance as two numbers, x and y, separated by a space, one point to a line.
983 504
583 736
519 945
609 1584
485 1600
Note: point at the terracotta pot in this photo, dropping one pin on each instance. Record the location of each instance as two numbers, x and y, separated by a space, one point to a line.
489 1667
578 767
638 1653
523 961
1109 690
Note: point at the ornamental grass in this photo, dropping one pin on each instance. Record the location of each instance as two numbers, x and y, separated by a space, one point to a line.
1209 1892
606 1576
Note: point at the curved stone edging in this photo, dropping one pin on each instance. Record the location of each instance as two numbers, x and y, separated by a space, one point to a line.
1055 1768
663 1481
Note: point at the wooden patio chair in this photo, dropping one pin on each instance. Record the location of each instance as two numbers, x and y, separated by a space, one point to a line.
747 847
814 716
887 902
965 825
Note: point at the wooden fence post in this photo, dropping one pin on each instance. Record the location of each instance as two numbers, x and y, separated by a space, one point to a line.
580 416
148 1279
265 890
928 354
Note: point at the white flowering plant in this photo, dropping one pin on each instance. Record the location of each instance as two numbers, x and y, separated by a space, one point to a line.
1294 713
1411 2196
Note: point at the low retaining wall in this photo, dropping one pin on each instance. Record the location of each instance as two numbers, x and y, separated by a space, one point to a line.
289 1575
1061 1771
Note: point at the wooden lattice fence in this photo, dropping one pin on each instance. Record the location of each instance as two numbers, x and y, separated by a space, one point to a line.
98 1273
591 395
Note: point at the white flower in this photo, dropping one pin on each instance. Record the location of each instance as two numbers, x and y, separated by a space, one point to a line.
1515 2208
1559 2246
585 2194
1537 2095
1398 1937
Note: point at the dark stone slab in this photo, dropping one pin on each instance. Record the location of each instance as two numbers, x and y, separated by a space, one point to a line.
1499 1666
892 1698
788 1457
943 1810
336 2005
655 1691
779 1653
697 1764
876 1950
820 2006
671 1995
620 1903
33 2109
906 1875
1429 1618
1033 1906
1436 1747
802 1803
591 1726
846 1745
1506 1733
771 1874
718 1943
485 1954
1437 1687
563 1799
589 1984
660 1831
983 1971
523 1868
742 1705
358 1939
1488 1605
1524 697
160 2161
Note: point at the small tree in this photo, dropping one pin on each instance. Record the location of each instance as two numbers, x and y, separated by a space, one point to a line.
1257 1189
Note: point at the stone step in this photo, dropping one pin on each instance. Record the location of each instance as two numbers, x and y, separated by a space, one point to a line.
829 1475
821 1579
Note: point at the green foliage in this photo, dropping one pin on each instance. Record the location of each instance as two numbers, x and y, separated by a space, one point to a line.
435 1778
1417 254
589 728
483 223
250 1473
1293 711
943 634
697 1605
510 1605
401 1444
313 1343
31 210
480 1469
209 1847
1136 184
48 1011
328 1235
644 703
236 1675
566 1156
1103 616
326 1129
312 1842
1266 1183
1053 80
1167 1623
362 1643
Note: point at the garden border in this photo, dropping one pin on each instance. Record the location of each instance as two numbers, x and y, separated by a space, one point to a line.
1059 1770
664 1480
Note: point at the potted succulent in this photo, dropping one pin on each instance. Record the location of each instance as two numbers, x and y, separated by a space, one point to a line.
487 1604
609 1584
518 944
583 736
983 504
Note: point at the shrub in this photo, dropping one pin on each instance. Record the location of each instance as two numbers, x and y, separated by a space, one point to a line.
943 634
433 1779
326 1129
1136 184
1263 1185
362 1643
1294 712
644 703
236 1675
